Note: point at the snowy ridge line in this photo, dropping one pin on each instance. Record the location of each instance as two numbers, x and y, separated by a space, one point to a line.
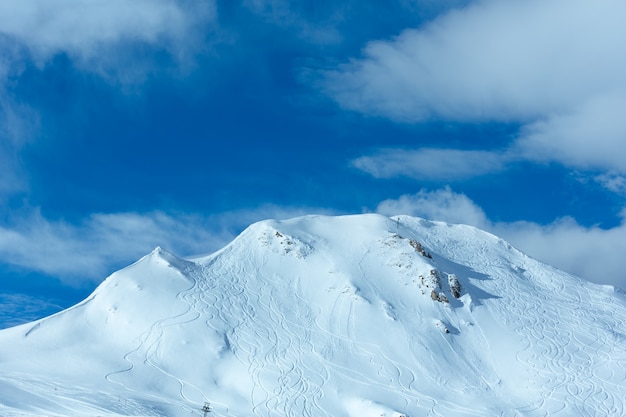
329 316
150 340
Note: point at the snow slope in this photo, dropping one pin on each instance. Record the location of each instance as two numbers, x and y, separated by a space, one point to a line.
329 316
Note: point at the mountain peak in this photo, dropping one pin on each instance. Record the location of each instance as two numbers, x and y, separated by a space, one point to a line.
159 254
359 315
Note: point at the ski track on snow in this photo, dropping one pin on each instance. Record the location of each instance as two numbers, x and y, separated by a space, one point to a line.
149 346
290 347
568 372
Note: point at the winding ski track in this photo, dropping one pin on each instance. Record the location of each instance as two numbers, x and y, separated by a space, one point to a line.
569 360
294 357
278 342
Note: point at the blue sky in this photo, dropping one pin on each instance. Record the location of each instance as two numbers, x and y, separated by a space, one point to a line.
176 123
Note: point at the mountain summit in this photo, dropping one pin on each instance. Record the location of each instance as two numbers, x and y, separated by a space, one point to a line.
356 316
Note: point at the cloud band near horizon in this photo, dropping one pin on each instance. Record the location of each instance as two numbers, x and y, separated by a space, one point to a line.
592 253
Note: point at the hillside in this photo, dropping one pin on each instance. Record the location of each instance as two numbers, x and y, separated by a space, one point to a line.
357 316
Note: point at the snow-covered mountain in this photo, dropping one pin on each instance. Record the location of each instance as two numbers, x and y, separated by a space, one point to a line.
357 316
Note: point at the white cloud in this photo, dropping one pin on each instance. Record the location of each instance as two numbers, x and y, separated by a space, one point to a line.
21 308
326 22
556 67
589 252
82 28
431 163
103 242
318 27
493 60
236 220
613 182
115 39
443 204
17 126
591 136
86 251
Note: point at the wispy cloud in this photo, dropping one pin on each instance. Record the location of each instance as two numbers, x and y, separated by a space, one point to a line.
589 252
11 180
431 163
553 66
18 124
85 29
318 27
21 308
325 22
89 250
612 181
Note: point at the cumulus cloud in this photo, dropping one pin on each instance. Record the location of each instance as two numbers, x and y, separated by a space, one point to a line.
553 66
492 60
589 252
443 204
431 163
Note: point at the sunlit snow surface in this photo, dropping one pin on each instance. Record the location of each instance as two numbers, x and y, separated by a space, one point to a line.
328 316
